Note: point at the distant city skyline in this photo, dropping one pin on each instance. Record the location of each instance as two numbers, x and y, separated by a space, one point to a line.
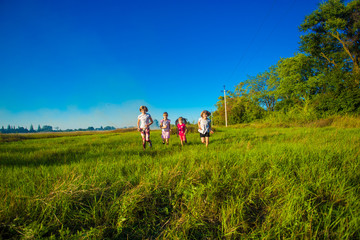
75 64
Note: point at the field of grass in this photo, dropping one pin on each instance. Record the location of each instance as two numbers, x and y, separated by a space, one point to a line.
267 183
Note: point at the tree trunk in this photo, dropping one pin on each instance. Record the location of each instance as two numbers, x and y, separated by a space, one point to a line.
356 69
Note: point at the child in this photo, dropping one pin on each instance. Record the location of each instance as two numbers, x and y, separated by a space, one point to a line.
165 128
204 125
143 123
182 130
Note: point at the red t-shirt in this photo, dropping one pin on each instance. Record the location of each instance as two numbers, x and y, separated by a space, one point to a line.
181 128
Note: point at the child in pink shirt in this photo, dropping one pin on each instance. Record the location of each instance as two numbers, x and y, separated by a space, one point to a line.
182 130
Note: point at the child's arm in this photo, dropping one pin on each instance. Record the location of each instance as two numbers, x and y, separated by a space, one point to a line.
186 129
210 130
138 124
199 125
151 121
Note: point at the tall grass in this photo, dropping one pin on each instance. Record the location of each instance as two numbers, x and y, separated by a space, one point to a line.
285 121
264 183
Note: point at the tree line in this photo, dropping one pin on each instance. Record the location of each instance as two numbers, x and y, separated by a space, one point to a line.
47 128
322 79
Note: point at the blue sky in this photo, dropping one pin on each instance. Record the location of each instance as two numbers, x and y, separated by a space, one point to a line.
74 64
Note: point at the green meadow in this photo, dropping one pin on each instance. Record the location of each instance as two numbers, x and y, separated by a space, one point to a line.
251 183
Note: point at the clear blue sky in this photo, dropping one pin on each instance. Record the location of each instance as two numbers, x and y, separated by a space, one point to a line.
74 64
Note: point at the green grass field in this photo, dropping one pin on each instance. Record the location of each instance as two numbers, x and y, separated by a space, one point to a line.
267 183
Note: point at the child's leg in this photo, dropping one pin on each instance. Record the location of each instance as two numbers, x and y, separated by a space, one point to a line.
143 139
149 141
207 141
181 140
147 136
167 141
203 139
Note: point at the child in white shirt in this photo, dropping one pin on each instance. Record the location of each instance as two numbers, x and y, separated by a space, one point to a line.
204 125
143 124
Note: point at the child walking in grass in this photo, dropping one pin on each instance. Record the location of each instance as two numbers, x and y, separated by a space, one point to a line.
165 128
204 125
143 124
182 130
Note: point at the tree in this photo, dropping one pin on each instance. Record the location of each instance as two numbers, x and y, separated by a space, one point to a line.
47 128
39 128
322 79
333 36
31 128
298 79
21 130
259 90
240 109
156 123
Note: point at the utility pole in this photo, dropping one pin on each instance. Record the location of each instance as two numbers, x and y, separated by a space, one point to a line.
225 107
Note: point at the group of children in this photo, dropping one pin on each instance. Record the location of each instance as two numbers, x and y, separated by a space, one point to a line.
145 120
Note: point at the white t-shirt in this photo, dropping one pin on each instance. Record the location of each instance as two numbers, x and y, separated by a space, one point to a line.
144 120
165 123
205 125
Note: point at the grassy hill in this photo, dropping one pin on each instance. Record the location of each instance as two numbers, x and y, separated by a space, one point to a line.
250 183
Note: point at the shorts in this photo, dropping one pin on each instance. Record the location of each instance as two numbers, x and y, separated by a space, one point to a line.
145 134
165 135
182 137
207 134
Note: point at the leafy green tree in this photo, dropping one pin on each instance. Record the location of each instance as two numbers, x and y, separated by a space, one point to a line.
338 97
322 79
156 123
240 109
245 110
47 128
332 36
218 116
259 89
107 128
298 80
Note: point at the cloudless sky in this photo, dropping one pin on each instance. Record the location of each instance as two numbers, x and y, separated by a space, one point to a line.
73 64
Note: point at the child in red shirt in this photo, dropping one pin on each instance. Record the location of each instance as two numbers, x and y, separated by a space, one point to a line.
182 130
